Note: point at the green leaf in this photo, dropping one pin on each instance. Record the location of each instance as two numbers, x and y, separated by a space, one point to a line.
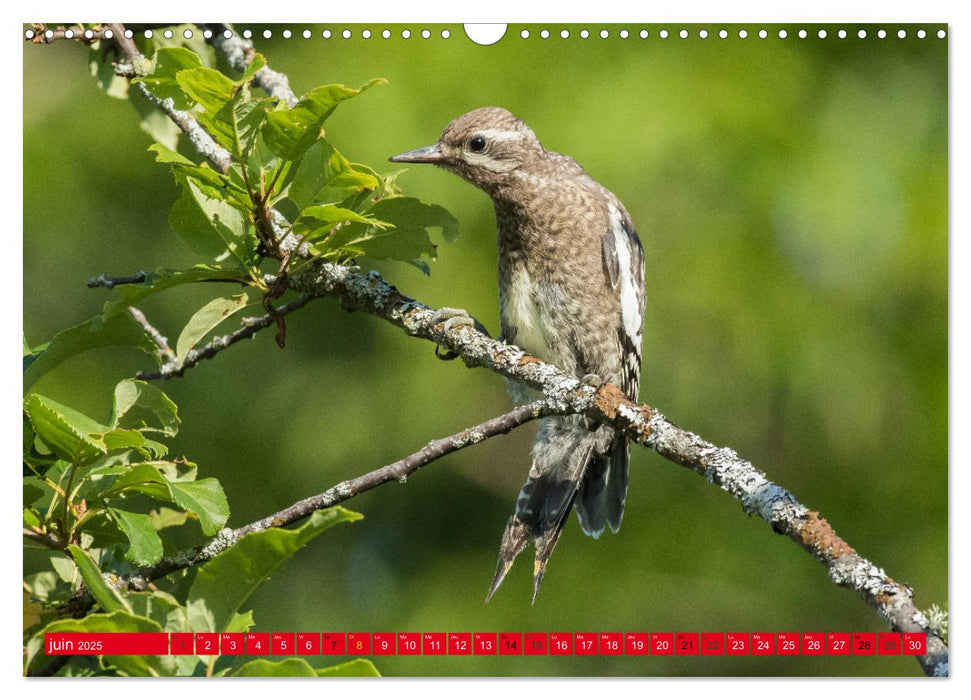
207 87
317 222
121 438
69 434
196 43
28 436
163 79
323 174
145 545
184 167
356 668
241 622
291 131
262 165
32 493
98 332
211 226
108 598
248 116
256 62
65 567
206 499
46 587
407 245
408 241
411 213
220 125
156 449
118 621
143 478
167 517
206 319
224 584
30 518
144 407
161 607
263 668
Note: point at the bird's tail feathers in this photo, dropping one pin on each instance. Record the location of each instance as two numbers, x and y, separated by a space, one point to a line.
603 491
560 458
617 482
513 542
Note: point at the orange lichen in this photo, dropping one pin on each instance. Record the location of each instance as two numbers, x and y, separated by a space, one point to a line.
817 534
608 400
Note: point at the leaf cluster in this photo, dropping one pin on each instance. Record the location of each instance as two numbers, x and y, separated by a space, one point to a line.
106 496
287 179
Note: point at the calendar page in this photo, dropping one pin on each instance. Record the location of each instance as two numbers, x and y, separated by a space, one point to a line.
426 349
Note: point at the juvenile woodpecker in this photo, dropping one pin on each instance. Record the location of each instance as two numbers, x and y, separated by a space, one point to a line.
571 292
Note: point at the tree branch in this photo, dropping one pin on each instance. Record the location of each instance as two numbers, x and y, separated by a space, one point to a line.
46 35
43 34
174 368
161 342
396 471
645 426
107 282
44 538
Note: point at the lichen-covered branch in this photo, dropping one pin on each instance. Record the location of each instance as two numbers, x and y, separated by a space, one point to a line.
161 342
645 426
396 471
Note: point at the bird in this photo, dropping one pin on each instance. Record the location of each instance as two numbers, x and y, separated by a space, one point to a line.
571 292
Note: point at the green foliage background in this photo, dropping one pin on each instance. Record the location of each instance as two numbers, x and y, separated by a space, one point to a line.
791 196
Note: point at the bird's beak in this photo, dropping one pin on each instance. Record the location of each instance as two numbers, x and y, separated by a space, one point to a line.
428 154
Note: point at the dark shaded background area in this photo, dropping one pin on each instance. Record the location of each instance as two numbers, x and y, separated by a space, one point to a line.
791 196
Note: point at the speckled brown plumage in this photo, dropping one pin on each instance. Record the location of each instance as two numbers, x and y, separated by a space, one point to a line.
571 292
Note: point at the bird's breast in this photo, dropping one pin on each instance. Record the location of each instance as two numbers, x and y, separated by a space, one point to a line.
524 323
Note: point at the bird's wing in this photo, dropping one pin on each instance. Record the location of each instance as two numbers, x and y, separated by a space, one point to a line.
623 259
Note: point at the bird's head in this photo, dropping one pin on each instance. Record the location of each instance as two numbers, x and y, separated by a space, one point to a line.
482 146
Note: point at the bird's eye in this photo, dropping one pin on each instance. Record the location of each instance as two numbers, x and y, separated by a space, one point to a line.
477 143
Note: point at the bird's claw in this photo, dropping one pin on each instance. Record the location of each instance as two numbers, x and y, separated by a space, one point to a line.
452 318
592 380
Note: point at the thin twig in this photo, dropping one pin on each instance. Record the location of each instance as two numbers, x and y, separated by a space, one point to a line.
112 282
44 538
174 368
396 471
161 342
43 34
140 277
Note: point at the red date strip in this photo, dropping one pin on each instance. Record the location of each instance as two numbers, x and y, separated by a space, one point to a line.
490 643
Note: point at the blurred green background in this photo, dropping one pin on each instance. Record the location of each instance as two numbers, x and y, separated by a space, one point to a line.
791 196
